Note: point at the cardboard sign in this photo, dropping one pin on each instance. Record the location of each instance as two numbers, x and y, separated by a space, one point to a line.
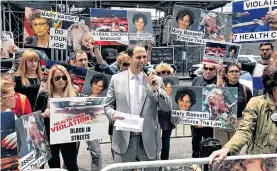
77 119
162 54
254 21
206 106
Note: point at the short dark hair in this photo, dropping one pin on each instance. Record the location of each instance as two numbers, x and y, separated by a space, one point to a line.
183 91
264 44
168 80
131 48
139 15
233 48
269 78
183 13
231 65
100 77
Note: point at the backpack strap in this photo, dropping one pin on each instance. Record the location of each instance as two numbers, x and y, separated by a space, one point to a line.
245 94
22 101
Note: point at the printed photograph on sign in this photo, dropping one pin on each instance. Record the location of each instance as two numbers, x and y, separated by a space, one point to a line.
221 52
9 157
140 27
253 164
7 43
185 99
214 26
169 82
162 54
79 36
77 119
221 104
96 84
109 27
254 24
186 18
77 74
37 28
33 143
206 106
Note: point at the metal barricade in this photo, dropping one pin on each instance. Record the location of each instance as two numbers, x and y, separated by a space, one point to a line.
183 163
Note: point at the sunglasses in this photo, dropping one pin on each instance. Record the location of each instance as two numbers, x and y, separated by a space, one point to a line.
126 64
57 78
164 72
210 69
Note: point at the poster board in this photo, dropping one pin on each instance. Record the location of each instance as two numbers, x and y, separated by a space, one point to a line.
162 54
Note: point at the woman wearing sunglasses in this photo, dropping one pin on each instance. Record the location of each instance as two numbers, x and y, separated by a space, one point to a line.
164 69
232 76
123 61
58 85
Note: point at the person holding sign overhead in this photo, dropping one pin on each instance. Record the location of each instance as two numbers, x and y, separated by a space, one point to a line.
41 28
143 95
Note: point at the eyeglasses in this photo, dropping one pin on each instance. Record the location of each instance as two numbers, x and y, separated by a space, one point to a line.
57 78
265 49
234 71
39 24
164 72
210 69
126 64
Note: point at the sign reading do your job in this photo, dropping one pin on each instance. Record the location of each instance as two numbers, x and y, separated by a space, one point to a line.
254 20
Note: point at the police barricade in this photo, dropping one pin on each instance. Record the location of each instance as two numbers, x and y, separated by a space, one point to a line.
266 162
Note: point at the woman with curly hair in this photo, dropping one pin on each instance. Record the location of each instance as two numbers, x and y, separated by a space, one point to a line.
98 83
185 98
58 85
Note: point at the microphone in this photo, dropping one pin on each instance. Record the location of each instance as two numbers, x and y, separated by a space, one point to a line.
28 40
147 72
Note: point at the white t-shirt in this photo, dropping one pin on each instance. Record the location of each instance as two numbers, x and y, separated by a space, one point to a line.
259 70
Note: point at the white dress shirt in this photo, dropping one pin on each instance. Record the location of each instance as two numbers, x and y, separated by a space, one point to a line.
135 106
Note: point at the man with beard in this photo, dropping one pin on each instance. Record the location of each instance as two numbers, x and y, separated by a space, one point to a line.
266 50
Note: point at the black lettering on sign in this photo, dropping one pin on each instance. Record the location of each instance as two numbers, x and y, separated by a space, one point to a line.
162 54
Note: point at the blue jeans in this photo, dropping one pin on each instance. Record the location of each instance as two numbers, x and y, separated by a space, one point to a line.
165 144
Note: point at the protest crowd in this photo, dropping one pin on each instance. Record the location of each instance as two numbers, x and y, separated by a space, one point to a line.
48 106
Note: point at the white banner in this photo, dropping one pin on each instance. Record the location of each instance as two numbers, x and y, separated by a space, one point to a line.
140 36
191 39
255 36
187 32
59 16
110 36
256 4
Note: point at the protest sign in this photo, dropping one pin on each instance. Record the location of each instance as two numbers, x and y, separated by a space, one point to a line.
33 147
221 52
9 157
195 25
140 27
77 74
206 106
96 84
254 21
109 26
168 83
77 119
162 54
6 44
48 29
250 164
